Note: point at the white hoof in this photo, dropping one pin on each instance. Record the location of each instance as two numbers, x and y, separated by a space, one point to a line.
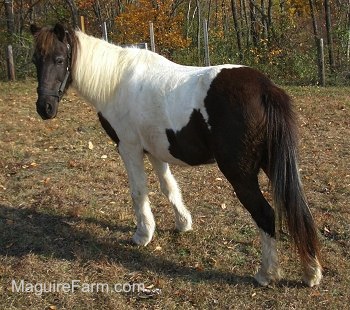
312 274
144 233
184 222
265 278
141 239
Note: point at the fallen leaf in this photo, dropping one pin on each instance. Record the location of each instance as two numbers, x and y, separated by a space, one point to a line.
91 146
72 164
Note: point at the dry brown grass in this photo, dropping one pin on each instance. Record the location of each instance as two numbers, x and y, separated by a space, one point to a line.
65 215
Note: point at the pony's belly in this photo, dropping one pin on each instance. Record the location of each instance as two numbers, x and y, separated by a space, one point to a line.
184 157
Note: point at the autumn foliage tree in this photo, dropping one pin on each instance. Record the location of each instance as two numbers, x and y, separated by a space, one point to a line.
276 36
133 25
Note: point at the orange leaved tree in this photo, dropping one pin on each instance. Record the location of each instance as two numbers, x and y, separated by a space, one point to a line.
133 25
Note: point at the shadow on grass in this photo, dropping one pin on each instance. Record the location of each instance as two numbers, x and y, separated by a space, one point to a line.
25 231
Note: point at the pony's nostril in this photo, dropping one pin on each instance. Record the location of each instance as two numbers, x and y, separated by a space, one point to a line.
49 108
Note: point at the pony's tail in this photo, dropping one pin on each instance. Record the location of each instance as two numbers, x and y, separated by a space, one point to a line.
290 203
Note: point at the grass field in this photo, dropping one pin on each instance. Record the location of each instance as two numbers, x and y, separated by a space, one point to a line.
65 215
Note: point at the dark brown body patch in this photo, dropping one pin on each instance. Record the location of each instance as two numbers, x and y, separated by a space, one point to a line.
108 128
192 143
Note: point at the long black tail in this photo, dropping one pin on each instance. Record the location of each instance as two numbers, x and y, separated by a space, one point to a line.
289 199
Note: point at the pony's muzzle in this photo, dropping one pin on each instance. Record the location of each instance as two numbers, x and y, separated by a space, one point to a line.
47 109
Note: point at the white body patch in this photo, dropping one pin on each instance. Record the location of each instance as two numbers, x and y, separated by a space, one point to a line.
141 93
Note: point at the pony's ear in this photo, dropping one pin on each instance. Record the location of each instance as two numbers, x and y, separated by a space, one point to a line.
59 31
34 29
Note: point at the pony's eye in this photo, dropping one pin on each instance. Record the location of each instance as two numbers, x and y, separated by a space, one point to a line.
59 60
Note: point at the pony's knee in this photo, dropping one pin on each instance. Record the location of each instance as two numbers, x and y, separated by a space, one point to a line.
138 196
312 273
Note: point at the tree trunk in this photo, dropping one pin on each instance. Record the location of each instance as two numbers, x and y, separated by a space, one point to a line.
270 29
188 19
209 13
348 31
245 22
237 28
253 22
198 29
97 9
316 38
264 20
74 11
329 34
10 21
313 19
224 18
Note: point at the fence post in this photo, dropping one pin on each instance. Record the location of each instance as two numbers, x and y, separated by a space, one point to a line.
206 43
104 31
151 35
10 63
82 23
321 70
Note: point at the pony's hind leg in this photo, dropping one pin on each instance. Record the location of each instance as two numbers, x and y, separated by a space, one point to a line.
248 192
133 160
170 189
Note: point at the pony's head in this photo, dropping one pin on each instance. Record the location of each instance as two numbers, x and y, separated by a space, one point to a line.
53 60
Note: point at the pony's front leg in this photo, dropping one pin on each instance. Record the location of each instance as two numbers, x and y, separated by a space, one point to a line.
133 160
169 187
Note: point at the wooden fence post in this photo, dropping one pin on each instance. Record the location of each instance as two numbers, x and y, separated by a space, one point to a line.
206 43
10 63
321 70
82 23
151 35
104 31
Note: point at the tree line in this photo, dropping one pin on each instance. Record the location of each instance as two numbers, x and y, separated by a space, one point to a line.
279 37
